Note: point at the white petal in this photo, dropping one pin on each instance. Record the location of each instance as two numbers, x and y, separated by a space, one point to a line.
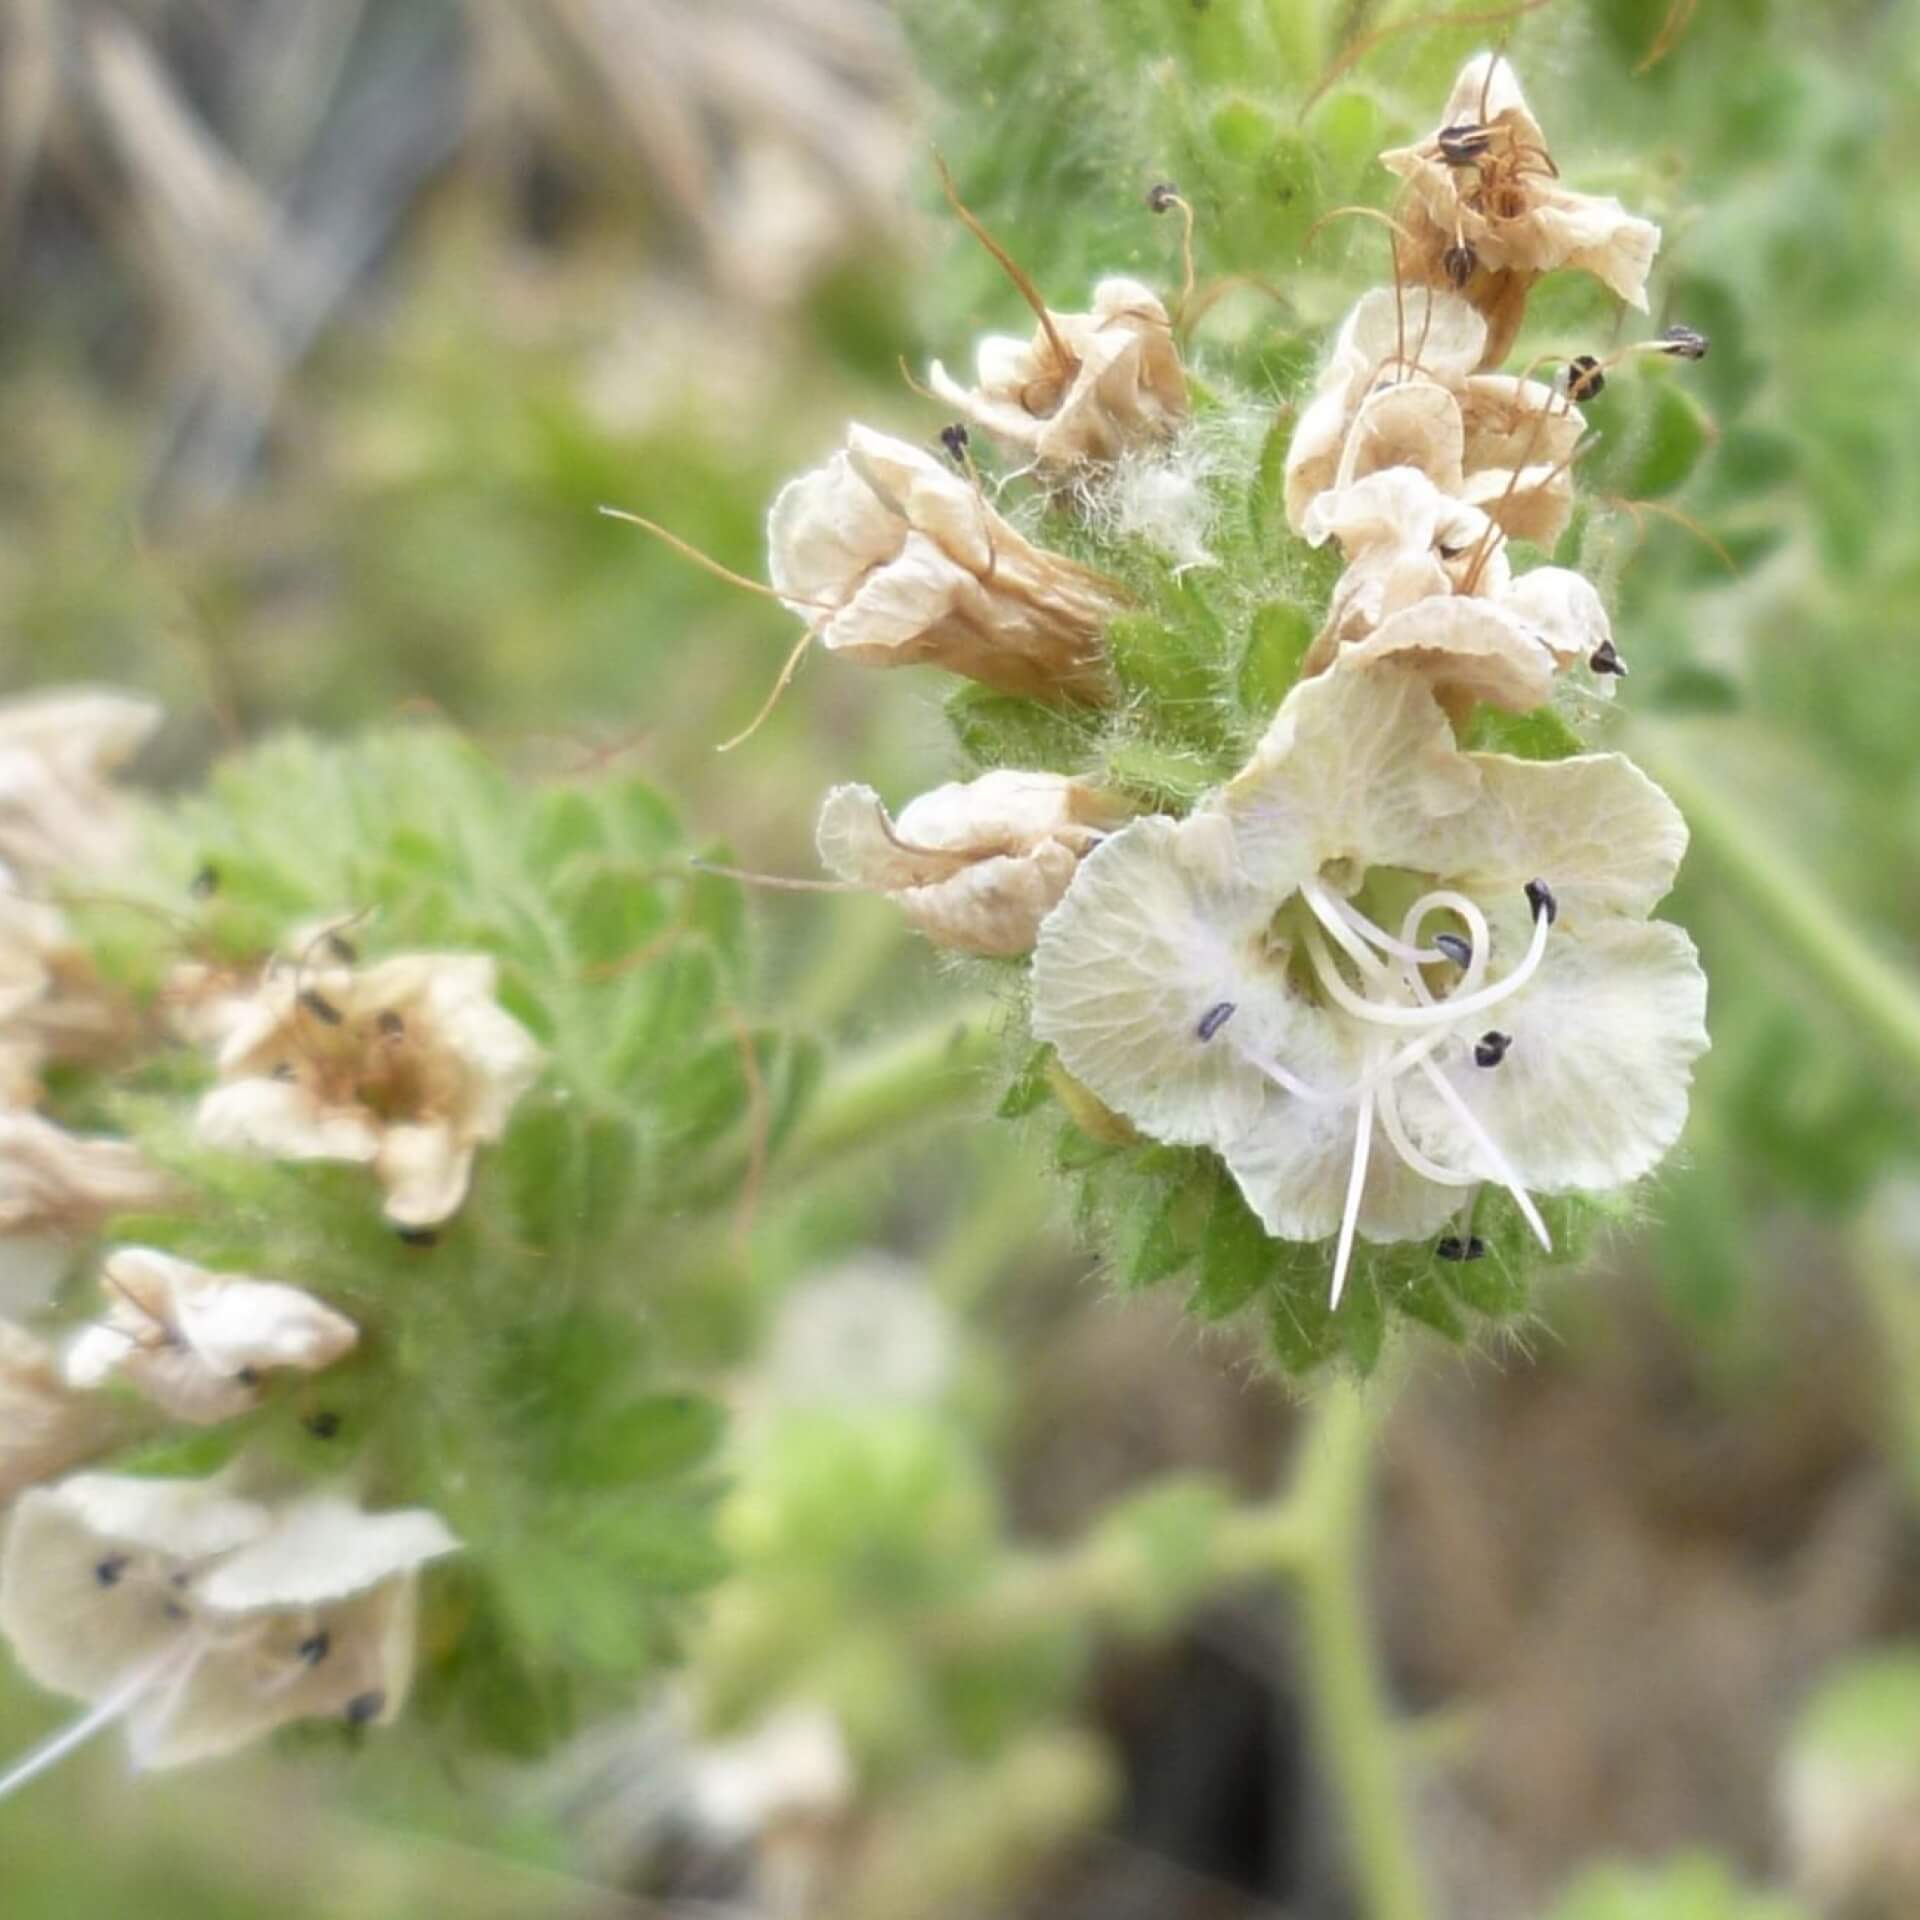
285 1120
1595 828
1592 1093
993 906
1563 608
45 1427
1415 425
322 1549
1157 932
426 1172
1474 647
859 842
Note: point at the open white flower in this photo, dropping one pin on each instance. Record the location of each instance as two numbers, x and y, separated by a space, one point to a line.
198 1343
408 1067
1370 932
57 750
793 1766
46 1427
976 865
204 1621
1487 212
1429 584
1087 386
895 560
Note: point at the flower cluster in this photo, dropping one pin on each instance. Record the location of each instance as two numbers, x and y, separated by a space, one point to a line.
1373 966
203 1613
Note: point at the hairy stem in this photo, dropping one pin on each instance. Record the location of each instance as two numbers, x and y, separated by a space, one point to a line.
1359 1745
924 1074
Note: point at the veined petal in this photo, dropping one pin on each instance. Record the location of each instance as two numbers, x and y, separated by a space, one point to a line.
286 1120
425 1169
1595 828
320 1549
1158 932
1592 1091
1476 648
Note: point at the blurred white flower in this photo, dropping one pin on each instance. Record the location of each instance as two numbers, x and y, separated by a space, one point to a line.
407 1066
896 560
57 810
46 1427
65 1184
869 1334
792 1767
1369 930
976 865
203 1620
1086 387
198 1343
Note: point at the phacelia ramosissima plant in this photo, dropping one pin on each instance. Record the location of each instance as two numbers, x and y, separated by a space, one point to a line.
1345 986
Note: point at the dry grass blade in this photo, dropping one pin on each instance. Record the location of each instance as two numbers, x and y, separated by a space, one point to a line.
1358 50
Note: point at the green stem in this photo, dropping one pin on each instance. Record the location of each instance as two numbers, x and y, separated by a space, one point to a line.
921 1075
1359 1745
1881 1000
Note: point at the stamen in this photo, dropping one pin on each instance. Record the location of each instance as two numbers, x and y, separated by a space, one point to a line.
321 1007
1439 1012
1684 343
1452 1247
57 1746
1327 911
1400 949
108 1571
1491 1048
315 1647
364 1707
1605 658
1540 899
1456 949
1503 1167
1214 1019
954 439
1356 1184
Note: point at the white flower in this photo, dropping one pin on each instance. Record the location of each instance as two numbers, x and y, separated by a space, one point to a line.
975 865
56 751
1370 932
1487 212
66 1184
1400 391
871 1333
793 1765
1087 386
407 1066
1417 337
204 1620
45 1426
197 1343
1429 585
896 560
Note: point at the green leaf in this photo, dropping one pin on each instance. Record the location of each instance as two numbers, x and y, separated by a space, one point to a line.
655 1438
1236 1257
1276 645
1029 1089
1539 735
1000 730
1676 434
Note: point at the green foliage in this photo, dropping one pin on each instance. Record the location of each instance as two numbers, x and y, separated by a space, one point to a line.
1695 1887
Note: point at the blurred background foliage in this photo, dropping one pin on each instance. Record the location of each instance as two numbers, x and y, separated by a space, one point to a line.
329 325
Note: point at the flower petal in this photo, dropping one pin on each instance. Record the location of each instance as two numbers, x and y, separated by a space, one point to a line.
1157 933
1592 1091
320 1549
1472 647
285 1120
426 1171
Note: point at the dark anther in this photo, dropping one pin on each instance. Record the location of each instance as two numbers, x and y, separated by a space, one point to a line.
1584 379
206 883
321 1008
1454 1248
1457 948
954 439
1605 658
1461 146
280 1070
418 1236
1684 343
1161 196
1540 899
315 1647
173 1610
247 1377
1214 1019
1458 264
324 1425
342 949
1491 1048
364 1707
109 1570
390 1024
